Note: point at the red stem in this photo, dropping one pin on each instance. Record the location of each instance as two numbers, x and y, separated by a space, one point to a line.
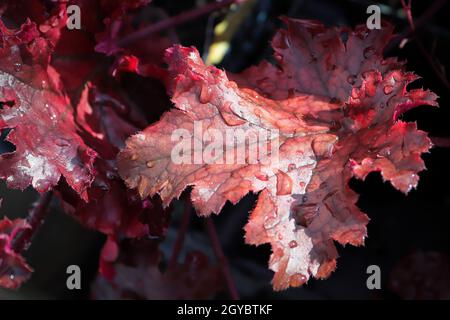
431 61
421 21
174 21
181 233
407 9
35 218
217 247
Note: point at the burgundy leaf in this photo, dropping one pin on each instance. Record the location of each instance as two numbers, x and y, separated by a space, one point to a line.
138 275
40 116
330 109
13 268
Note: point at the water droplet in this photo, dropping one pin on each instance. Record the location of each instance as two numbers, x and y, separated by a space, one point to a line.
205 94
17 66
278 57
368 52
100 184
62 142
351 79
12 277
388 89
110 175
293 244
297 280
150 164
261 176
134 157
284 183
323 146
271 222
386 152
44 84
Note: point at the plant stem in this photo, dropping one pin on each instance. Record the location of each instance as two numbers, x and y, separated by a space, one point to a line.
407 9
184 225
35 218
431 61
215 242
420 22
174 21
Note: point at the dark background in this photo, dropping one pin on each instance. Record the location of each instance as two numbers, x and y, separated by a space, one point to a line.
400 225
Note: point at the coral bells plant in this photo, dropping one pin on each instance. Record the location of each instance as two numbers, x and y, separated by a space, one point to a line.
326 109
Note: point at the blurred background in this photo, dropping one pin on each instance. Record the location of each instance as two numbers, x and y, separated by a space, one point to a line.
408 236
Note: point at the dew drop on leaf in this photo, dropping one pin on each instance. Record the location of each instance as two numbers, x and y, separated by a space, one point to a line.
368 52
271 222
205 94
351 79
298 280
388 89
261 176
62 142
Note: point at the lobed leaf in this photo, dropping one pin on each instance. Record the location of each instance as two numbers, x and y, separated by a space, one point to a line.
329 108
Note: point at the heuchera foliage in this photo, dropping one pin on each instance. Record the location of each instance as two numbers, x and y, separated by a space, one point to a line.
12 263
139 276
336 106
332 97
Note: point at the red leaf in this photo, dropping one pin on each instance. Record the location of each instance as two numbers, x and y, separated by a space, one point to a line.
13 268
40 116
335 105
120 23
112 208
137 275
43 63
